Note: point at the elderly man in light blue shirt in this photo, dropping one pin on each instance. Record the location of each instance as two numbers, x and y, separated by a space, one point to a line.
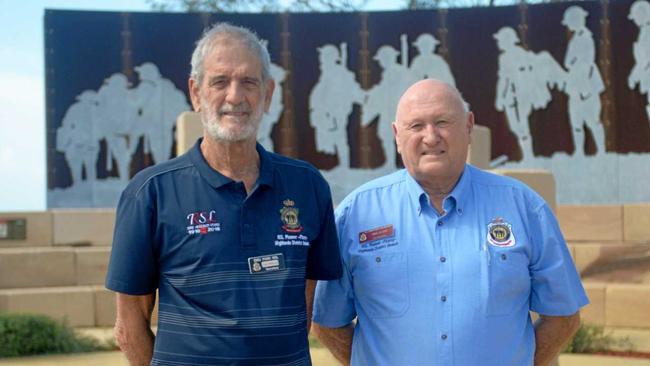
443 261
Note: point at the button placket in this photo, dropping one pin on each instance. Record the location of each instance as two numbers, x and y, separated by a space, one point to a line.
247 228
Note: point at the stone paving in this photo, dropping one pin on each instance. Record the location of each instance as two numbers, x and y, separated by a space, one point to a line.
320 357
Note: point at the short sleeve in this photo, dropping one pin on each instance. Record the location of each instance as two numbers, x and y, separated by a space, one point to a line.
334 300
133 266
323 259
556 286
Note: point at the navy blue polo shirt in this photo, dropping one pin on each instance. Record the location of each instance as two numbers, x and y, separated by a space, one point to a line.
230 268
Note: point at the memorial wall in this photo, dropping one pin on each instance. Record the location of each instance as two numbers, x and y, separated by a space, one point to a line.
562 86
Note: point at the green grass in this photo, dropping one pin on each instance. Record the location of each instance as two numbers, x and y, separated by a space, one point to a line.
314 343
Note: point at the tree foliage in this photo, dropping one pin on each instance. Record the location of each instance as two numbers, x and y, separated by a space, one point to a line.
423 4
220 6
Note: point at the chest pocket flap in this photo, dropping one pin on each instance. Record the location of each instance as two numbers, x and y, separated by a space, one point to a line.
381 284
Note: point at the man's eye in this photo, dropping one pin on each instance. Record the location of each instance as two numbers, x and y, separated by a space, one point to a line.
250 83
219 83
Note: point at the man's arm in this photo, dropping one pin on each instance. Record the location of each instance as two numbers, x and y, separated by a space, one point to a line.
551 334
337 340
310 288
133 327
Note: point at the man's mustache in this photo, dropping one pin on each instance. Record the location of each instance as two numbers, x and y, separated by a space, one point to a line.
240 108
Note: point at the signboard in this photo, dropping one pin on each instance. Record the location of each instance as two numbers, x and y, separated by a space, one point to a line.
13 229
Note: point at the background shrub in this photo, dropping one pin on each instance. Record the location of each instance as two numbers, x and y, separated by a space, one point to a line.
593 338
27 334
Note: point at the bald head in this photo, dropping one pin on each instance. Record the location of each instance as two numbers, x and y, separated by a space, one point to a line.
432 131
427 90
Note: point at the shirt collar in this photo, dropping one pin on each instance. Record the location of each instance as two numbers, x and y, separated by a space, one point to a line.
266 167
417 195
462 190
455 200
217 180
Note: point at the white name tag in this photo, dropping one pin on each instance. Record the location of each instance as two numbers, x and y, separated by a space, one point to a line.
266 263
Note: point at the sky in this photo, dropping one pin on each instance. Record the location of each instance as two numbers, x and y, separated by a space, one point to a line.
22 97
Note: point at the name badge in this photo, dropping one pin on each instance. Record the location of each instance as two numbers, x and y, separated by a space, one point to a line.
381 232
266 263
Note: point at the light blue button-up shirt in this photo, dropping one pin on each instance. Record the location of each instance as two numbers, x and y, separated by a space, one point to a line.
451 289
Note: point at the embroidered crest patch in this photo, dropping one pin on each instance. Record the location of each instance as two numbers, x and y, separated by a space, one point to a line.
499 233
289 217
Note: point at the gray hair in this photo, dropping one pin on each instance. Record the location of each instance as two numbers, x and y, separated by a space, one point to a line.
225 30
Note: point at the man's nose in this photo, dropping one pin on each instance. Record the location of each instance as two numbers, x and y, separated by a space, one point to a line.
234 93
431 134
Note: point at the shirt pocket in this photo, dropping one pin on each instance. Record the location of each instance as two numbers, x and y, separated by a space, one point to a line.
381 284
508 281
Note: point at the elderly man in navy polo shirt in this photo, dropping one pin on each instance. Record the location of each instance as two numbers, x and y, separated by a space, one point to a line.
230 235
442 261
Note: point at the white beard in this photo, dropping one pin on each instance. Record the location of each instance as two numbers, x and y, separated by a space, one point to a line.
210 118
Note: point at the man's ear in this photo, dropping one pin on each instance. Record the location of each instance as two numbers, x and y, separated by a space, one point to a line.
470 125
195 97
395 134
268 93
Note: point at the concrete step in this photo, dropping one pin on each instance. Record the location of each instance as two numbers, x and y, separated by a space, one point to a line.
52 266
86 227
80 306
22 229
617 305
61 227
605 223
481 147
91 264
188 129
598 360
541 181
612 262
640 338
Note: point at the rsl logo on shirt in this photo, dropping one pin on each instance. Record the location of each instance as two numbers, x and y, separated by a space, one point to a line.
202 222
499 233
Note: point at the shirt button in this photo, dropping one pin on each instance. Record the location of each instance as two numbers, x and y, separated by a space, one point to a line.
443 259
443 298
504 257
444 336
440 223
378 259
